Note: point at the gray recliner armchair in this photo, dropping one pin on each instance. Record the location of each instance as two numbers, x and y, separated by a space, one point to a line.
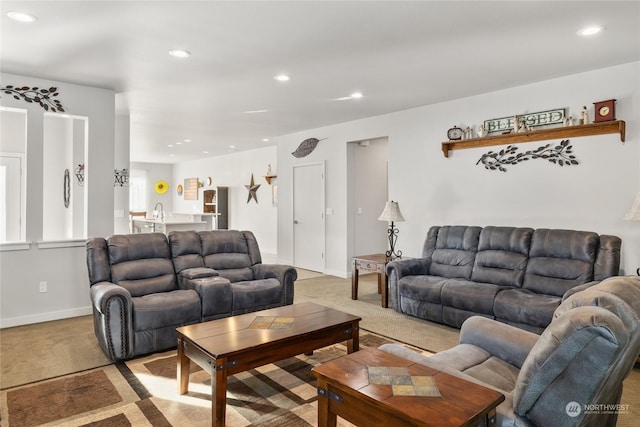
570 375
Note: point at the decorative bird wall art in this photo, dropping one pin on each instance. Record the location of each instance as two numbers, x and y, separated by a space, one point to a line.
306 147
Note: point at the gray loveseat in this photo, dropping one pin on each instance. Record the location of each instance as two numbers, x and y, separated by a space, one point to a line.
144 285
515 275
571 375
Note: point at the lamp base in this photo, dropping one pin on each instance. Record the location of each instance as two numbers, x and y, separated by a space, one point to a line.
392 234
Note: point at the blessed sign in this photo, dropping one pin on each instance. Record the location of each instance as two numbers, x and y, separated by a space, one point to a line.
543 118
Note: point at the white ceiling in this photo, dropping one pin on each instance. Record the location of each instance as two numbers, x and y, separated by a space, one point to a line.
398 54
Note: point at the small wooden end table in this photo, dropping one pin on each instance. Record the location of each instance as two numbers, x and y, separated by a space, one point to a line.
375 263
235 344
346 388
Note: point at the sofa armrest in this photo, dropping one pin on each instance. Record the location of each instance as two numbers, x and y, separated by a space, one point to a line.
397 269
506 342
285 274
579 288
214 292
113 320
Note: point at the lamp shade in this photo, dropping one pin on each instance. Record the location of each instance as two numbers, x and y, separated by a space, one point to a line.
634 213
391 213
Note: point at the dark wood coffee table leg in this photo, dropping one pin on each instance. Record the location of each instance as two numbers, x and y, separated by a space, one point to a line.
325 417
353 344
354 281
183 369
218 396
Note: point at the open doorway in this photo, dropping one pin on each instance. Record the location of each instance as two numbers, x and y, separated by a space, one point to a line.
368 192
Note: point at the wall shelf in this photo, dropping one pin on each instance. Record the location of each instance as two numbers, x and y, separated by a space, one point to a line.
617 126
268 178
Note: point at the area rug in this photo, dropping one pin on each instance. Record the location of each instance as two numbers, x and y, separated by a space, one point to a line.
143 392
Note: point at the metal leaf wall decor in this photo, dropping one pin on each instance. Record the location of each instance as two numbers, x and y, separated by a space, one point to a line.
43 97
306 147
561 155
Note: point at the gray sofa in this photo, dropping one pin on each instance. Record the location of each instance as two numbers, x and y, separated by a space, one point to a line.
515 275
145 285
571 375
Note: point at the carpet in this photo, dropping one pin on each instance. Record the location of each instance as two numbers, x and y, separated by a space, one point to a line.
335 292
143 392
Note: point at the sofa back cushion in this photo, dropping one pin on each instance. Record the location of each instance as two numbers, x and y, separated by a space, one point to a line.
502 255
608 258
560 260
570 362
186 250
231 252
451 250
141 263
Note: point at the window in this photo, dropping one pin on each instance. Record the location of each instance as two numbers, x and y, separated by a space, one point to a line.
138 190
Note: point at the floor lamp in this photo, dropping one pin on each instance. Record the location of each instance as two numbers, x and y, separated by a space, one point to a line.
391 214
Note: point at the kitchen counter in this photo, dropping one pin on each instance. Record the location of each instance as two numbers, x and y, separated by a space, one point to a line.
147 225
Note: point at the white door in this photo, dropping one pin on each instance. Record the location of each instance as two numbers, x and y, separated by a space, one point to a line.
10 201
308 217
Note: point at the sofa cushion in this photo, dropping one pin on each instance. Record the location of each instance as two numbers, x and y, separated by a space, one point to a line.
451 250
164 309
518 306
255 294
422 288
584 341
141 263
185 249
560 260
470 296
502 255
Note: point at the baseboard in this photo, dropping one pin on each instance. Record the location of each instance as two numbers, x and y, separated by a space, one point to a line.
44 317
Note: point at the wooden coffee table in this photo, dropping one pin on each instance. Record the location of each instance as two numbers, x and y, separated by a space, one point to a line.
234 344
355 387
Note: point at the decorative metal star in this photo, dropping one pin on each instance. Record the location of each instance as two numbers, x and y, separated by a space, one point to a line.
252 188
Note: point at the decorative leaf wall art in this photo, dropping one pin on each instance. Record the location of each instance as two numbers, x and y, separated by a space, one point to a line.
306 147
43 97
561 155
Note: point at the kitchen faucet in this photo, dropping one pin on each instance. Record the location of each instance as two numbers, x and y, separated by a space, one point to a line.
159 213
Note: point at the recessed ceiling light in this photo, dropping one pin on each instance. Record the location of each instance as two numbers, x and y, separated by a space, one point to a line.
172 155
255 111
356 95
205 152
233 147
282 78
178 143
187 140
590 31
179 53
22 17
265 139
169 145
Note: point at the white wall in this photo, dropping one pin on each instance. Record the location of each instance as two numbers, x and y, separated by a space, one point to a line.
234 171
62 266
434 190
121 161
